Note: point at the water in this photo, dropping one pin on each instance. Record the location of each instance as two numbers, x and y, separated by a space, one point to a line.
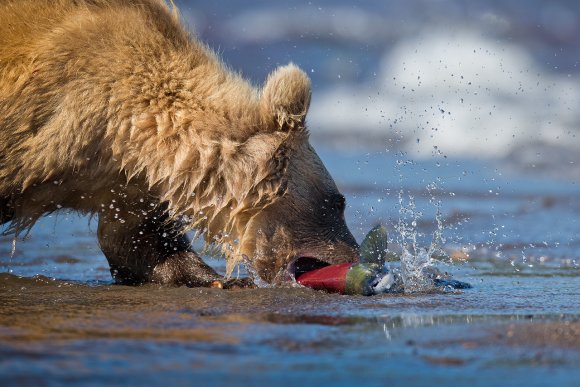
519 323
415 260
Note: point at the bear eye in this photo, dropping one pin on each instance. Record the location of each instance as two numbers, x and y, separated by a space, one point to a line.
339 203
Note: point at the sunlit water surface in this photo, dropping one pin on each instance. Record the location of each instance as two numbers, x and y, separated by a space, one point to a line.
513 237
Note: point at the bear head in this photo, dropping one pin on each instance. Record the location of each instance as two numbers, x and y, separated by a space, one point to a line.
302 226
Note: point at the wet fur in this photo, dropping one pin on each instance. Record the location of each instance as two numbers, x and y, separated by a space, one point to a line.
111 107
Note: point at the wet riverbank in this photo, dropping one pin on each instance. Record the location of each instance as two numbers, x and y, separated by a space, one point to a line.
504 330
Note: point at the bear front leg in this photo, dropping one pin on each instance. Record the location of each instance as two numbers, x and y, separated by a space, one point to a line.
147 249
187 268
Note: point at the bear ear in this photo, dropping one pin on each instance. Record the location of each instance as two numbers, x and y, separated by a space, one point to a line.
285 98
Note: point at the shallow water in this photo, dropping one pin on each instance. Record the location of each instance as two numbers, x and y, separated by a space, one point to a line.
519 324
523 330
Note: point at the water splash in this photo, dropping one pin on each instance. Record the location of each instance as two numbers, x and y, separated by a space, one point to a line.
418 269
253 273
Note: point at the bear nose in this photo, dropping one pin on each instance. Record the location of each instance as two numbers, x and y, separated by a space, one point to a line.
346 237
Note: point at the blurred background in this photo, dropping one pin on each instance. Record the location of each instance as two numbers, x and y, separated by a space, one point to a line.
492 80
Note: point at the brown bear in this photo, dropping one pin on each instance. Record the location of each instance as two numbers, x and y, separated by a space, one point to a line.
112 108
